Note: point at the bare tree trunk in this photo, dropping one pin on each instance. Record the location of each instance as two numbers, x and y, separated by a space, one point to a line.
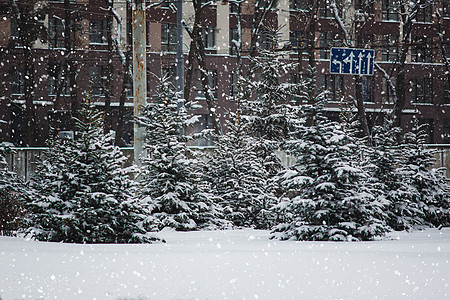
70 72
110 67
126 82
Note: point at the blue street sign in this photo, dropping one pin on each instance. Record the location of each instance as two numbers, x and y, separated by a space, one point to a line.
351 61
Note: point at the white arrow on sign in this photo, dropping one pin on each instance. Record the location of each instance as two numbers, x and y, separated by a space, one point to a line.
336 62
349 59
369 57
360 56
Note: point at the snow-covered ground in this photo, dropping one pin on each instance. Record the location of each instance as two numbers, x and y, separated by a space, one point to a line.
240 264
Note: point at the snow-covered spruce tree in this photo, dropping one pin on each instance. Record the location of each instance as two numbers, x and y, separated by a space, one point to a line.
13 193
241 179
327 193
386 163
86 196
171 176
430 192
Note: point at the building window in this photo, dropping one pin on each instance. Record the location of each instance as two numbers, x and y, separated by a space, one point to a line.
334 84
427 127
446 131
212 82
266 41
326 12
171 74
389 50
422 90
209 36
97 75
15 33
203 123
387 95
424 14
234 38
367 88
421 50
446 90
169 37
294 39
97 32
234 8
326 41
17 81
389 10
364 6
55 33
300 5
446 8
57 83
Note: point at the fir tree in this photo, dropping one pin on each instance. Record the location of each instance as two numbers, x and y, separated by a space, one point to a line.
172 178
86 194
430 192
241 178
13 193
326 193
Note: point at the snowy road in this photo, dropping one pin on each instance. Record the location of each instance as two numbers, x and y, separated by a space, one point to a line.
241 264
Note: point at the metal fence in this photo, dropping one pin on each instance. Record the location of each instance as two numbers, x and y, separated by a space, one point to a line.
23 160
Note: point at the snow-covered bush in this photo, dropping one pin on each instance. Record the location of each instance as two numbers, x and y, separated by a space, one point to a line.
172 177
85 195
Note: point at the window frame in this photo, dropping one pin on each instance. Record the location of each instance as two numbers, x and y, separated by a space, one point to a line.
421 89
98 80
97 32
17 82
168 37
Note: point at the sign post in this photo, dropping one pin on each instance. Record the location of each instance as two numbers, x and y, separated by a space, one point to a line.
352 61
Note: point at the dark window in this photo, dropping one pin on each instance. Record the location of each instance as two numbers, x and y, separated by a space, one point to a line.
300 5
266 41
389 51
424 13
367 88
421 50
209 36
422 90
364 6
387 93
446 8
169 37
234 8
428 129
325 9
294 38
97 32
389 10
204 122
234 37
57 83
171 74
15 32
326 41
97 76
334 84
55 33
212 82
446 91
446 131
17 81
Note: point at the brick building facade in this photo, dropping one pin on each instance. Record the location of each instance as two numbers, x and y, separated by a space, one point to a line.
427 92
